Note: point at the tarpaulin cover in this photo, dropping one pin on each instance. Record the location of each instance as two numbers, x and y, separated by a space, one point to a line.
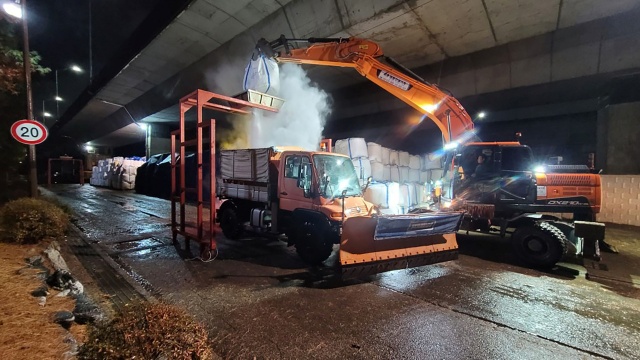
246 164
416 225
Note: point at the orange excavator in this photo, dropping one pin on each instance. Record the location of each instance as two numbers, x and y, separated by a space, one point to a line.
507 194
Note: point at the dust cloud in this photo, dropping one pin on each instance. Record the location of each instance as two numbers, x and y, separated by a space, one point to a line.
299 122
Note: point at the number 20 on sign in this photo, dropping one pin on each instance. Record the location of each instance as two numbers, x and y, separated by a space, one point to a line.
29 132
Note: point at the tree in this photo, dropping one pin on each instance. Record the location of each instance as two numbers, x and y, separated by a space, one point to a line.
12 100
12 63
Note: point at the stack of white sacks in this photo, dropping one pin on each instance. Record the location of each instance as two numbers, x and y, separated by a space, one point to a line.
100 173
356 149
400 180
117 173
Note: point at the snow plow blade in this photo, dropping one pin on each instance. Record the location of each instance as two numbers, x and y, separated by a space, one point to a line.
375 244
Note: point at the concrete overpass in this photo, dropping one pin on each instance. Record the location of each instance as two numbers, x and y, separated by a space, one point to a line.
563 66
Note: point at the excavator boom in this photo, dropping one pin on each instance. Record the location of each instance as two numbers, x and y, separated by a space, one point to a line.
363 55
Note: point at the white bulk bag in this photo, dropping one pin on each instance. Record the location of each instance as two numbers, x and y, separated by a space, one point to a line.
425 176
431 161
414 175
377 171
386 153
407 195
352 147
414 162
393 195
262 75
404 174
375 152
413 196
377 195
386 175
393 158
394 173
403 158
436 174
421 194
363 168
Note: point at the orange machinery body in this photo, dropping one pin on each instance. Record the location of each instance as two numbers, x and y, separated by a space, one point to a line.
363 55
357 246
562 187
562 190
348 220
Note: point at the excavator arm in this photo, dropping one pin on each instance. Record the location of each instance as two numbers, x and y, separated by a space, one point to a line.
363 55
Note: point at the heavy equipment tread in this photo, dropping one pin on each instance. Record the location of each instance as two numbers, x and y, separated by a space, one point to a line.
553 239
560 237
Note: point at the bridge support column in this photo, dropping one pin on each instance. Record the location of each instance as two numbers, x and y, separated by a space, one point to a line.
618 144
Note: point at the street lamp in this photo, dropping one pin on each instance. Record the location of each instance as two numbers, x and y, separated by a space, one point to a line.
481 115
74 68
14 10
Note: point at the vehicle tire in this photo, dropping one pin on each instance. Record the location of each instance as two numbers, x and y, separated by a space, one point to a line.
229 224
539 245
312 243
569 231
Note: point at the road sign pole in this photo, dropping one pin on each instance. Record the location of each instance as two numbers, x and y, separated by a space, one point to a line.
33 173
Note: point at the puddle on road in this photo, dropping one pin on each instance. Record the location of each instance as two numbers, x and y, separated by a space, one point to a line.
138 246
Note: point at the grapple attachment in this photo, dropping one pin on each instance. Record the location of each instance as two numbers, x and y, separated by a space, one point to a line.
374 244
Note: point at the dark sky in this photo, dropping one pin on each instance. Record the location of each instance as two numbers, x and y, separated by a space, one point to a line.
59 31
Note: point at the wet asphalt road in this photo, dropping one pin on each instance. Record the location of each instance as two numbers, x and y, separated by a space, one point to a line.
258 299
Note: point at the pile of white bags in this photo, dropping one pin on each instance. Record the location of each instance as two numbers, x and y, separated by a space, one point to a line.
356 150
399 179
100 173
117 173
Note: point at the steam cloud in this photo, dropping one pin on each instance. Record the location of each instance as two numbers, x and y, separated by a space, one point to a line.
299 122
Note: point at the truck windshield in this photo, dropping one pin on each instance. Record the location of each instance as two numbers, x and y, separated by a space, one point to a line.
336 174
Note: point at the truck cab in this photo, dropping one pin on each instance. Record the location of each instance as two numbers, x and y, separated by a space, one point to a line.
306 196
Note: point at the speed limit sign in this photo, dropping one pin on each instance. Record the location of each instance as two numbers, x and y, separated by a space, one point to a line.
29 132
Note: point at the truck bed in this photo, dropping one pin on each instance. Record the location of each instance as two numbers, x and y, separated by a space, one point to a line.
245 174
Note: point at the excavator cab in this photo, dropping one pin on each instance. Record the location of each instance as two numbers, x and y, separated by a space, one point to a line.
493 173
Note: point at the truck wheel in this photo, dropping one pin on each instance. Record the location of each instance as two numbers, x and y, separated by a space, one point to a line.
540 245
229 224
312 244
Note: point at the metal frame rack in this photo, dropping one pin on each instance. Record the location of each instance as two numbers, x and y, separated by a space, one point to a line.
200 99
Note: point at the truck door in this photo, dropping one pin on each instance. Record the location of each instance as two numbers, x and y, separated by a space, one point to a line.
294 179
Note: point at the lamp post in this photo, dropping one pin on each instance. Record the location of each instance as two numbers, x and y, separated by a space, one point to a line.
12 8
74 68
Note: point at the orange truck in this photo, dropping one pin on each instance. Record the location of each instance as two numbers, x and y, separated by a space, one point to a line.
313 201
511 198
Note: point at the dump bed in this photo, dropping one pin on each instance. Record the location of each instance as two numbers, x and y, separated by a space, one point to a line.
246 174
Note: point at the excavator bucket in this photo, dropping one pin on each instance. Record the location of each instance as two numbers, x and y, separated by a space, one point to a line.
375 244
